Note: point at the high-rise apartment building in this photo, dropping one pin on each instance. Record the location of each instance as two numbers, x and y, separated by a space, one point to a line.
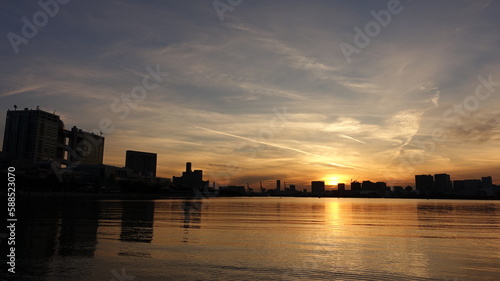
84 148
142 163
33 136
37 136
317 186
424 184
442 183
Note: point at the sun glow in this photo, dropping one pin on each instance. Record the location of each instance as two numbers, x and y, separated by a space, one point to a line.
331 180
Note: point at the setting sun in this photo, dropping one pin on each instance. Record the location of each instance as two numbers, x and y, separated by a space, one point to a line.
331 180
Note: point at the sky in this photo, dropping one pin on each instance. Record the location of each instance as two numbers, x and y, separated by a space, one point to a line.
255 91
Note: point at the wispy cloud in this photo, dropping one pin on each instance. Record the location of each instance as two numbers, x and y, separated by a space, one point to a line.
226 78
275 145
351 138
21 91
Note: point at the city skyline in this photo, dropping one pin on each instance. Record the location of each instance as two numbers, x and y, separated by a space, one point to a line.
260 95
38 138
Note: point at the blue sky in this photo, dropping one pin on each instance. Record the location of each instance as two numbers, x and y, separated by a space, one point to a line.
267 93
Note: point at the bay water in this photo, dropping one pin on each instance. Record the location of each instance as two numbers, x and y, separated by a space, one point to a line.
260 238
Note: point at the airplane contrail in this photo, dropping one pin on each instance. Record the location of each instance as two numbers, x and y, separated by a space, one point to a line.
22 90
274 145
351 138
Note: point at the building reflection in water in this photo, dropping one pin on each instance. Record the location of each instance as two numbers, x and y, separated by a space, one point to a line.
36 237
441 225
79 223
191 216
52 227
137 227
137 221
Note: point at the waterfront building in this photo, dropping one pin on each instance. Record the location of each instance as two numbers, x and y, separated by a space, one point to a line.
317 186
33 136
424 184
83 148
442 183
141 163
190 178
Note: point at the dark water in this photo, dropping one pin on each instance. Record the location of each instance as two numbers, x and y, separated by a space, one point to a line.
258 239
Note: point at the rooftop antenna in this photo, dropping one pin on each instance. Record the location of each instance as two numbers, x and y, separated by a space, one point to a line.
37 107
15 107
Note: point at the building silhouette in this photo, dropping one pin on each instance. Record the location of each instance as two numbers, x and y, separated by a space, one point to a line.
190 178
355 186
141 163
278 185
33 136
84 148
341 187
317 186
368 186
471 187
458 186
442 183
486 182
381 187
424 184
232 190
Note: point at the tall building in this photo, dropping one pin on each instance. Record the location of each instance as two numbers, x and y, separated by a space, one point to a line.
424 184
355 186
190 178
381 187
442 183
471 187
142 163
84 148
458 186
278 185
486 182
368 186
33 136
341 187
317 186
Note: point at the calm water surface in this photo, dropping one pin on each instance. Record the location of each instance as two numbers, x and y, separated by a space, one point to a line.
258 239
